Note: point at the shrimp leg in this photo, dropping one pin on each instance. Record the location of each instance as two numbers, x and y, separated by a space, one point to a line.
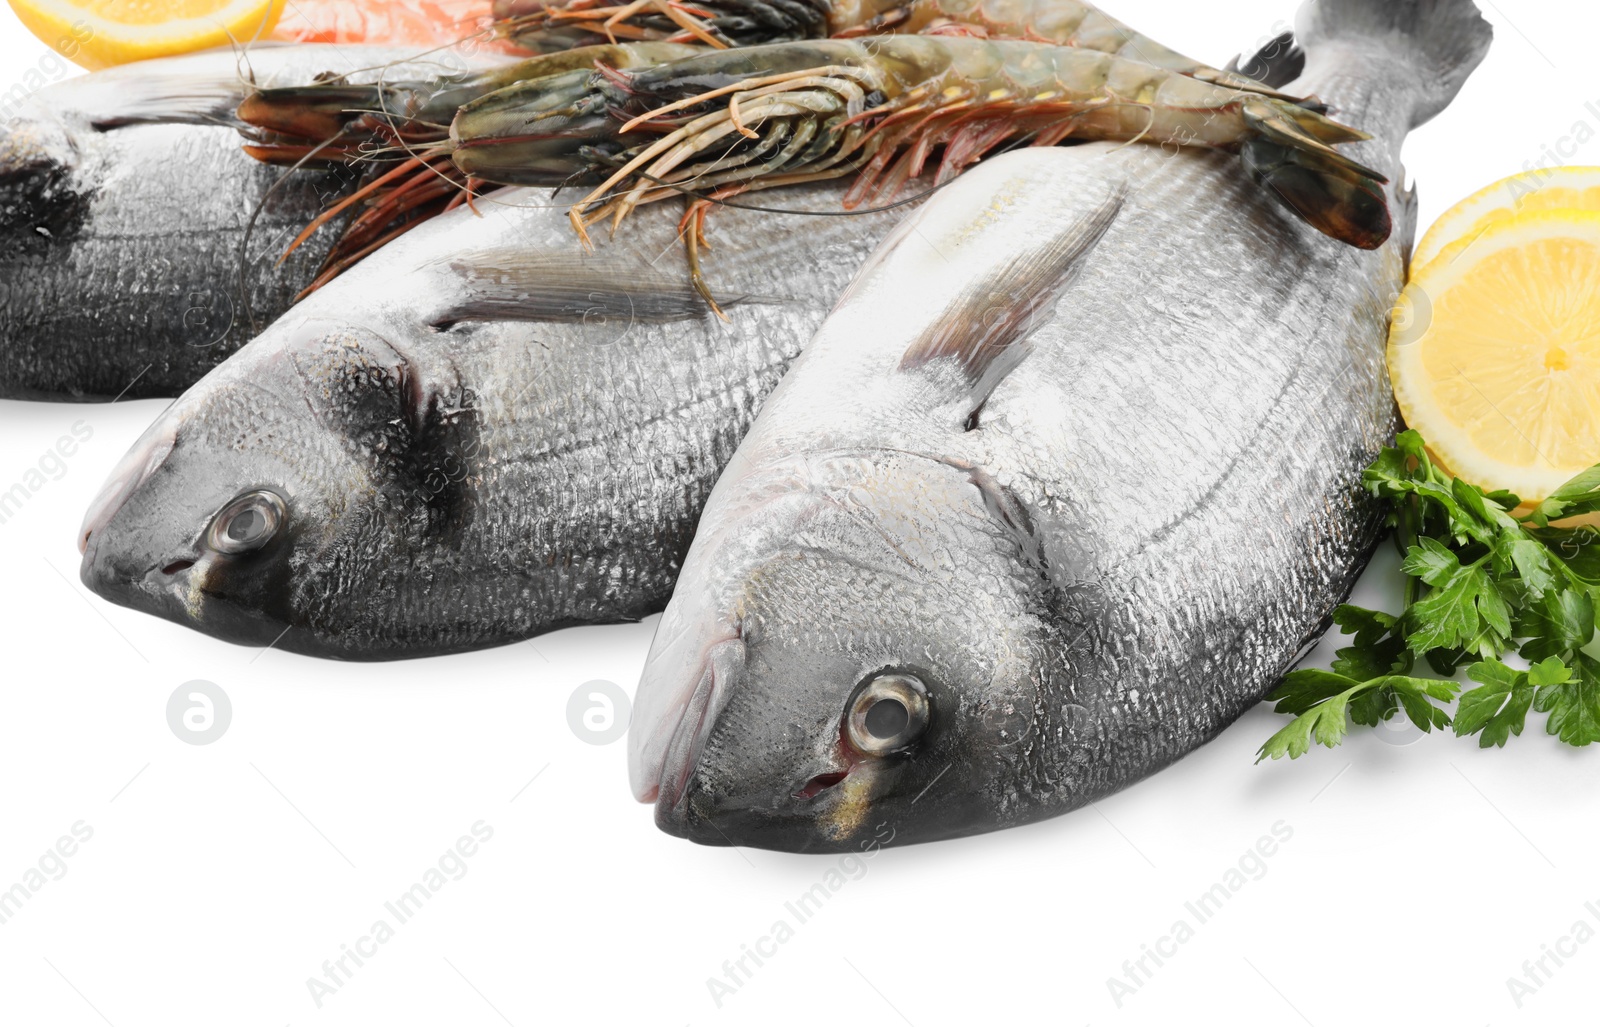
885 108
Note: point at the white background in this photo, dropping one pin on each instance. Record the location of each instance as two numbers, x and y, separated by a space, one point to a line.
1419 877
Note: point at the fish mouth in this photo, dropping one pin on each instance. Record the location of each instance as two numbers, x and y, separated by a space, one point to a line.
826 812
817 811
123 565
166 590
721 670
177 587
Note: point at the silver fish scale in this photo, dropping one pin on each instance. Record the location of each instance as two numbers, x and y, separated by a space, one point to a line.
1094 565
595 455
121 268
146 287
541 474
1218 507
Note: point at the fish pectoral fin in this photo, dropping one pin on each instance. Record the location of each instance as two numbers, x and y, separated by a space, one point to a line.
516 285
985 330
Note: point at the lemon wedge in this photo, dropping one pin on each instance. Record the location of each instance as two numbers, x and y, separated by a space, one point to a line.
1494 352
101 33
1574 188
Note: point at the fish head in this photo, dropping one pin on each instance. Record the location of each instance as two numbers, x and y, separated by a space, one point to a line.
855 655
289 472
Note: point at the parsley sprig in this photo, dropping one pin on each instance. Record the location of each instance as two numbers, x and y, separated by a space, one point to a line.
1480 584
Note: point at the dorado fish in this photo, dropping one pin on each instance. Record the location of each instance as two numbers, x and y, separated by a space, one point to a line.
1071 476
478 434
125 203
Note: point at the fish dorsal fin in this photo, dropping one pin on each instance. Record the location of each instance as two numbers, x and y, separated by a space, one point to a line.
1407 230
985 329
561 288
1279 62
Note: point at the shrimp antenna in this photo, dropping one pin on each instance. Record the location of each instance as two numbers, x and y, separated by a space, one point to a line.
243 50
394 129
250 228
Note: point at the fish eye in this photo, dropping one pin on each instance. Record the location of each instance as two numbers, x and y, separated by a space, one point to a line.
888 713
247 523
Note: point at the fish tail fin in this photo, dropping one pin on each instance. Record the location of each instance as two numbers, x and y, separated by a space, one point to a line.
1441 41
1291 154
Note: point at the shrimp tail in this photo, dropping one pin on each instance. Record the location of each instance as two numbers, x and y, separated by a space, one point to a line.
1296 126
1430 46
1328 195
1291 154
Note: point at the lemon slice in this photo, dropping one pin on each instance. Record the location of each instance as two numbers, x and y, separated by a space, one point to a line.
1574 188
100 33
1495 353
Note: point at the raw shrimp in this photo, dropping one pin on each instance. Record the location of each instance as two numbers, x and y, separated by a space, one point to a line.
541 26
340 122
732 121
404 123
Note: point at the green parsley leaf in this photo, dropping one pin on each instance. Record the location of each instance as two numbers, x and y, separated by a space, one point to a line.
1323 723
1449 617
1530 562
1577 550
1489 514
1579 496
1300 690
1367 625
1499 708
1574 704
1359 662
1558 624
1414 696
1549 672
1480 584
1371 708
1432 562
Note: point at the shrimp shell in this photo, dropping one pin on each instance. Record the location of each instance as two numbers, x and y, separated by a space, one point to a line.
540 26
883 105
